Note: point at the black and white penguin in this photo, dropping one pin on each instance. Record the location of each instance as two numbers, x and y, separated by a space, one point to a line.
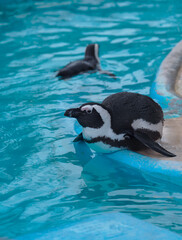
90 62
122 120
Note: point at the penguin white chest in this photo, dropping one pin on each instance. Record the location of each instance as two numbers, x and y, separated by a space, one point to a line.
94 138
102 147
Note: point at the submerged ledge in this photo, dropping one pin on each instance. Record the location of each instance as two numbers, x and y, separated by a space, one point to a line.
148 162
106 226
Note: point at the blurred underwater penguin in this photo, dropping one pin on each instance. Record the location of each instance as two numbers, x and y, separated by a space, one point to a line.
91 62
122 120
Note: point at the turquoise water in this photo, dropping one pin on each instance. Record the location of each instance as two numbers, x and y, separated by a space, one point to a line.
44 179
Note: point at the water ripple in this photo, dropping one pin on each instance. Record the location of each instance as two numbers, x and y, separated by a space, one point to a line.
45 179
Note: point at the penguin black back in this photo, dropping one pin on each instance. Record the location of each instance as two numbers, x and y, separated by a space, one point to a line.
90 62
126 107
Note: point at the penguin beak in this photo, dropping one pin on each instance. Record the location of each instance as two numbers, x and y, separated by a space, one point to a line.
73 112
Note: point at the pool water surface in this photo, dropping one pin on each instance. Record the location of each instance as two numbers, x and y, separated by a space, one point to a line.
45 179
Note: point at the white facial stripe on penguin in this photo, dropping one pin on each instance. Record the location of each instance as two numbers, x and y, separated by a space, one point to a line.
87 108
105 130
96 51
142 124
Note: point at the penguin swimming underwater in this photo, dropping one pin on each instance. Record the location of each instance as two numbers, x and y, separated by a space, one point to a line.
91 62
122 120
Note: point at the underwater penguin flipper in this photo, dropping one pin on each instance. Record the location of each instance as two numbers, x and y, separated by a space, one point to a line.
78 138
147 141
108 73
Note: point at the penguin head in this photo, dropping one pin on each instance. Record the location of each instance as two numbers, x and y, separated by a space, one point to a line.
92 115
92 51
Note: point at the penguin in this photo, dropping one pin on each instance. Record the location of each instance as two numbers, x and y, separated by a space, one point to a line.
91 62
124 120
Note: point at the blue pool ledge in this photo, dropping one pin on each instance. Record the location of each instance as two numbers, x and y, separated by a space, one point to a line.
114 226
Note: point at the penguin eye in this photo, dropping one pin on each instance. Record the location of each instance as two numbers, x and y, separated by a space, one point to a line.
127 136
89 111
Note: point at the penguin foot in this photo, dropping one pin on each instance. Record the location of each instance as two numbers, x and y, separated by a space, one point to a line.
78 138
108 73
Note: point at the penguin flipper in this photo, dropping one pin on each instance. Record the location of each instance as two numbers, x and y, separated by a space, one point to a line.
108 73
147 141
78 138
